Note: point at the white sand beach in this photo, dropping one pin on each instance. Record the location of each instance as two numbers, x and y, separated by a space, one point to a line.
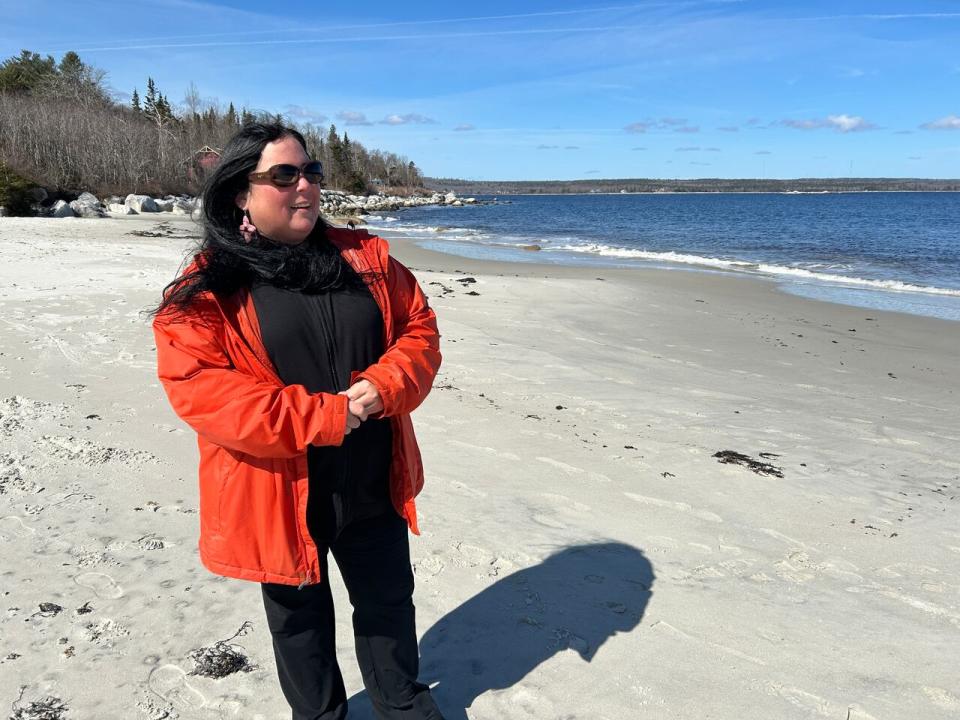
584 554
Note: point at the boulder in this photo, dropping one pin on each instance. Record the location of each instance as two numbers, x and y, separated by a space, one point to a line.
450 198
118 209
180 206
141 203
88 206
165 205
62 209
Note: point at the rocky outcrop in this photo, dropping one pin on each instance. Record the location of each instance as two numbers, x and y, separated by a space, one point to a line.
335 203
88 206
141 203
62 209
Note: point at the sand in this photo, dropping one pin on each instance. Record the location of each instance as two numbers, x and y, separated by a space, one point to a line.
584 553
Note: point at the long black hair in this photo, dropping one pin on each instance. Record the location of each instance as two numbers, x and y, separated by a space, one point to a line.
226 262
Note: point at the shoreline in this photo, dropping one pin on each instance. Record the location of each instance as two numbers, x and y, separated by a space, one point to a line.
687 279
826 290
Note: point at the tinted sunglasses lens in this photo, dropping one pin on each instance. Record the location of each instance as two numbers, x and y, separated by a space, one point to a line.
313 172
284 174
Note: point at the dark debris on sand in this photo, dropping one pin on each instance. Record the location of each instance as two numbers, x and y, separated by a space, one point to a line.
732 457
222 658
48 708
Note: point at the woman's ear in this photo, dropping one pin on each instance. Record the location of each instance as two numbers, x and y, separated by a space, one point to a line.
241 200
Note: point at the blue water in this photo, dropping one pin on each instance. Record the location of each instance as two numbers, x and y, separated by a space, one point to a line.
894 251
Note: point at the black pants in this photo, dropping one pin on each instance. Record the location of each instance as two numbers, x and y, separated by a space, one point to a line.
374 560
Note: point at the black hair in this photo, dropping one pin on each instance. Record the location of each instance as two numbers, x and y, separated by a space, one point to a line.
226 262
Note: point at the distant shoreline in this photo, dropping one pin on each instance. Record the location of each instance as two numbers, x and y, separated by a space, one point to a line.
647 186
716 192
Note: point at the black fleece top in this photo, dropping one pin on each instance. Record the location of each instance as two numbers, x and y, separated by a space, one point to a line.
316 340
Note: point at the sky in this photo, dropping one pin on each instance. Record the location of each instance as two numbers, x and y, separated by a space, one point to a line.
547 89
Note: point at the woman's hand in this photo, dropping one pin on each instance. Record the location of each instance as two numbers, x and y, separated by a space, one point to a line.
353 418
364 401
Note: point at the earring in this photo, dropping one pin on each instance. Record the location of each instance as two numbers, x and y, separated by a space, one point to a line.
247 229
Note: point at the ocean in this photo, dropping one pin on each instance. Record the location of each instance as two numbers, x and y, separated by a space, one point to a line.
889 251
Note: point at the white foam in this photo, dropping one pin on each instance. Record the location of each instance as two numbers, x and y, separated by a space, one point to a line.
766 268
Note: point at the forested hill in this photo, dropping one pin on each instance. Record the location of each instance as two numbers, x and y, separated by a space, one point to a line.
651 185
63 129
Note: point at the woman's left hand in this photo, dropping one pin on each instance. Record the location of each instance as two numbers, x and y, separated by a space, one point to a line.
365 393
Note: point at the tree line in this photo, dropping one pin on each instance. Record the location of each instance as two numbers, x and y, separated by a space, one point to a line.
699 185
61 129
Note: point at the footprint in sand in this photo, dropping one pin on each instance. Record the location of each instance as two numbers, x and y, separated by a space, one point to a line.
102 585
170 683
12 527
429 566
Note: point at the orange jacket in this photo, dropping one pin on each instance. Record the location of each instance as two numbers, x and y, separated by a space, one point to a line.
253 431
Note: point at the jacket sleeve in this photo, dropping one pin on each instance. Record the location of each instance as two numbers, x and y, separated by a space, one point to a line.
234 409
404 373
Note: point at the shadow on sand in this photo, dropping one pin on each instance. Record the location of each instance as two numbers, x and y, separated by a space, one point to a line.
575 599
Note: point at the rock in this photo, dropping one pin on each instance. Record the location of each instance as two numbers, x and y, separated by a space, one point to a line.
62 209
181 206
449 197
88 206
118 209
456 203
141 203
470 201
165 205
532 248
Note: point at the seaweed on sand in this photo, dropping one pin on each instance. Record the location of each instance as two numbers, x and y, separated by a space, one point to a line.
47 708
222 658
761 468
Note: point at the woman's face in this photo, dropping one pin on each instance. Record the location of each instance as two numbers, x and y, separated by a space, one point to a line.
283 214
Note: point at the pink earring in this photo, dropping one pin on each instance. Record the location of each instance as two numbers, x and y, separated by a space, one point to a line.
247 229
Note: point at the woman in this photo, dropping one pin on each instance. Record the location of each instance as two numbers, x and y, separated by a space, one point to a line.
297 352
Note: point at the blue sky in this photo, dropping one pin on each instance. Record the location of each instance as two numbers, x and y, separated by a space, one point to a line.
553 89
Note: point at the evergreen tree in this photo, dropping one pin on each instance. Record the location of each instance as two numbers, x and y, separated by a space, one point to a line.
231 116
25 73
135 101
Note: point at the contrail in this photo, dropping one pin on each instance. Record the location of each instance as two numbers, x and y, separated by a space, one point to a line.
478 18
380 38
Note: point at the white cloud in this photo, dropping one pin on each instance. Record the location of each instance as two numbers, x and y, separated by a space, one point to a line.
638 127
304 114
849 123
840 123
408 119
351 117
464 127
665 123
950 122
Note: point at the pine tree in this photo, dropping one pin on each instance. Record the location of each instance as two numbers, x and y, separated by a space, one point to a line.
231 116
135 101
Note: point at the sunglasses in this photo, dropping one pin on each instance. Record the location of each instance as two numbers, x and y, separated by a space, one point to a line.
286 175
